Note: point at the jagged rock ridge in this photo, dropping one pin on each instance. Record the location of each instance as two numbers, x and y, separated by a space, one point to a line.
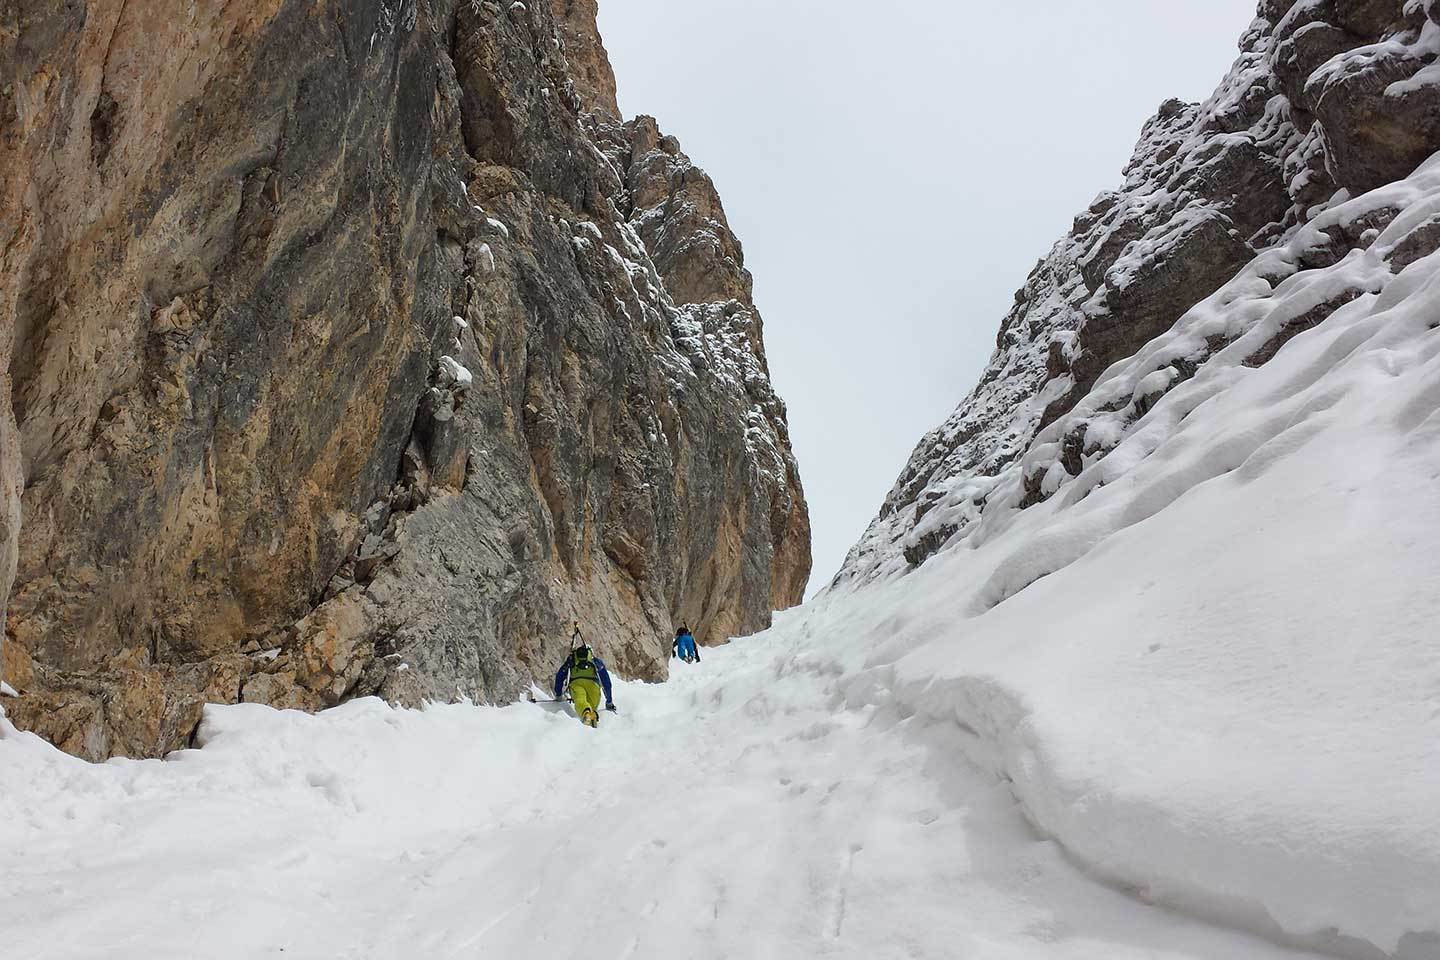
1329 99
347 360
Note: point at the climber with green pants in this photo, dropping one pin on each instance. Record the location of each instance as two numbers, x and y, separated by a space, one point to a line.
586 675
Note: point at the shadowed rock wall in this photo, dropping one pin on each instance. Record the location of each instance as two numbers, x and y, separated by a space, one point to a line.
339 367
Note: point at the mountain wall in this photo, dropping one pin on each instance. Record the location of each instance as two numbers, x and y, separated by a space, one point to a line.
1329 100
359 347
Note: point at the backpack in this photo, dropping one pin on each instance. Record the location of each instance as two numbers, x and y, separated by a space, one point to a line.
582 665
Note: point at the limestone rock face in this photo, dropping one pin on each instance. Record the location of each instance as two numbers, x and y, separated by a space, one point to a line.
1329 99
589 64
340 367
676 211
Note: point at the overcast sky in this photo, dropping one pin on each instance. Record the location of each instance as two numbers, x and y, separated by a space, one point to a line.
894 170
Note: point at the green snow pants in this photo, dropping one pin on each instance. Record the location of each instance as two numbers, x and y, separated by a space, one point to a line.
586 696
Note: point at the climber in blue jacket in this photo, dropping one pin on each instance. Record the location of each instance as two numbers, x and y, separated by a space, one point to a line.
684 646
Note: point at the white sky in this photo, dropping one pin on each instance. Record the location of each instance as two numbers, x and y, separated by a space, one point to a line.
894 170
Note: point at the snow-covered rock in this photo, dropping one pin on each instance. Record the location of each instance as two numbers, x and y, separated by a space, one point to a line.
1297 127
454 373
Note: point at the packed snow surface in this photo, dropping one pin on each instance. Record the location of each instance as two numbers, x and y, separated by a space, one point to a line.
740 810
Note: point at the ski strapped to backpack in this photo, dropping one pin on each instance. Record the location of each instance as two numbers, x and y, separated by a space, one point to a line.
582 664
582 658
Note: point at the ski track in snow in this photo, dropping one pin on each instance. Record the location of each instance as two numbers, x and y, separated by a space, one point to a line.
739 810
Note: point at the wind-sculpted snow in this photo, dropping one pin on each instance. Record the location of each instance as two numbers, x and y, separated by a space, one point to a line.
1204 656
1178 582
1296 128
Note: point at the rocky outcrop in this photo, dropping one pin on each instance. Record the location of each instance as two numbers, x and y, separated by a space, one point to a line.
676 211
340 367
1328 99
589 64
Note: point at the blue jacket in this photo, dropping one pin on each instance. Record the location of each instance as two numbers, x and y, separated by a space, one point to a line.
685 643
599 668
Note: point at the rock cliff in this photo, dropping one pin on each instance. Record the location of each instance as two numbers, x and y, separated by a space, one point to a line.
359 347
1329 100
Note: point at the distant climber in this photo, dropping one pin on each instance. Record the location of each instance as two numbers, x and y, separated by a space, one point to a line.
584 674
684 646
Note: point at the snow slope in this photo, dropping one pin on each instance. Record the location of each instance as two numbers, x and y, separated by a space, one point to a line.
740 810
1195 625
